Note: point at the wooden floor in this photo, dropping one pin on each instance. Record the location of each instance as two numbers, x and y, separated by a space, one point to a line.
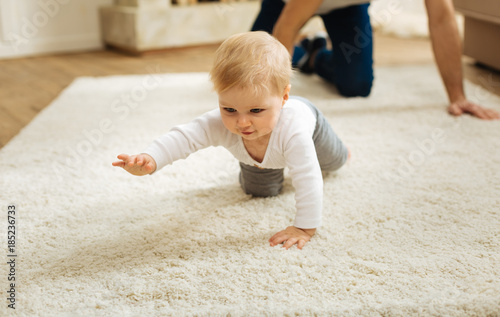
29 84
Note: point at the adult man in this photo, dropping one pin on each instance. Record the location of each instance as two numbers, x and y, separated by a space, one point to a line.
349 65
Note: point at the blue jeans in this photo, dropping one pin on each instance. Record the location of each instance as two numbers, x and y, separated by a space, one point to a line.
349 65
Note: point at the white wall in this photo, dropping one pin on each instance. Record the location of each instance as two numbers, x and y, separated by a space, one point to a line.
33 27
403 18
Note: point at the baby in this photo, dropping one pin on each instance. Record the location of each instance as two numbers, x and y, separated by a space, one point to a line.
264 127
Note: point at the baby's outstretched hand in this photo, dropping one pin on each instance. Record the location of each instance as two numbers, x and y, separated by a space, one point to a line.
292 235
141 164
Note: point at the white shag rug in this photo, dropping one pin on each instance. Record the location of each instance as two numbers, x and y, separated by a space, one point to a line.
411 223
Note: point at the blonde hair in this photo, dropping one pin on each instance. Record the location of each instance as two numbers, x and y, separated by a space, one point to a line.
251 60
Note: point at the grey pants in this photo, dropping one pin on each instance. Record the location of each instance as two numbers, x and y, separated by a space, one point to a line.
330 150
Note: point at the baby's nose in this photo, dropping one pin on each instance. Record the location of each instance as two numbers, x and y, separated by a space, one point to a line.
243 121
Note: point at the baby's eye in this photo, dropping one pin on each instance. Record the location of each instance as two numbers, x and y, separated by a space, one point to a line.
230 109
256 110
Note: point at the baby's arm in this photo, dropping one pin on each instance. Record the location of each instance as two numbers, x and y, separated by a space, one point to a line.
139 165
304 169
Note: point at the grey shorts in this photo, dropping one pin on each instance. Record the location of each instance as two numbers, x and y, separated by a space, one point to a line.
331 152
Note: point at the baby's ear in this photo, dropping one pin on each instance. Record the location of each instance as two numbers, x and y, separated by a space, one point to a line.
286 94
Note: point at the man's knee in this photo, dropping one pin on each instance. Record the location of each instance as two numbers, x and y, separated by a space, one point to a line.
355 88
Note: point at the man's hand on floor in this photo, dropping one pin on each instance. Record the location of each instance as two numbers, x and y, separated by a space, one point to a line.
465 106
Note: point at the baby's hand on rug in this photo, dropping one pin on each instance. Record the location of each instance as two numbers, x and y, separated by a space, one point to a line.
465 106
292 235
138 165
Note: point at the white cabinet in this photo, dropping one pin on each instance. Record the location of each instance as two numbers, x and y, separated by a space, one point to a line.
144 25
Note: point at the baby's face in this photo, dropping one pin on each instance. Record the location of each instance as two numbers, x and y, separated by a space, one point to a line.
249 115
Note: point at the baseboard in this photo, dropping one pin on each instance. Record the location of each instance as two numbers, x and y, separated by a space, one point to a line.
24 48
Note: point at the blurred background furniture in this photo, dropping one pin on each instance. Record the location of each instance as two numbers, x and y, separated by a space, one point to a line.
481 30
138 26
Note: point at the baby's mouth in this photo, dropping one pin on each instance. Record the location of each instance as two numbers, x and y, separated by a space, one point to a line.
247 132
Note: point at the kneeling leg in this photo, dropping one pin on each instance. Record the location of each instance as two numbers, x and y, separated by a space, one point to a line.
261 182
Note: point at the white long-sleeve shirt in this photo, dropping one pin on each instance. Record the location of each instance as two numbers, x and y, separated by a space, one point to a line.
290 145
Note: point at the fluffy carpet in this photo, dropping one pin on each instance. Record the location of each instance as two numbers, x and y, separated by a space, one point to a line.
411 224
